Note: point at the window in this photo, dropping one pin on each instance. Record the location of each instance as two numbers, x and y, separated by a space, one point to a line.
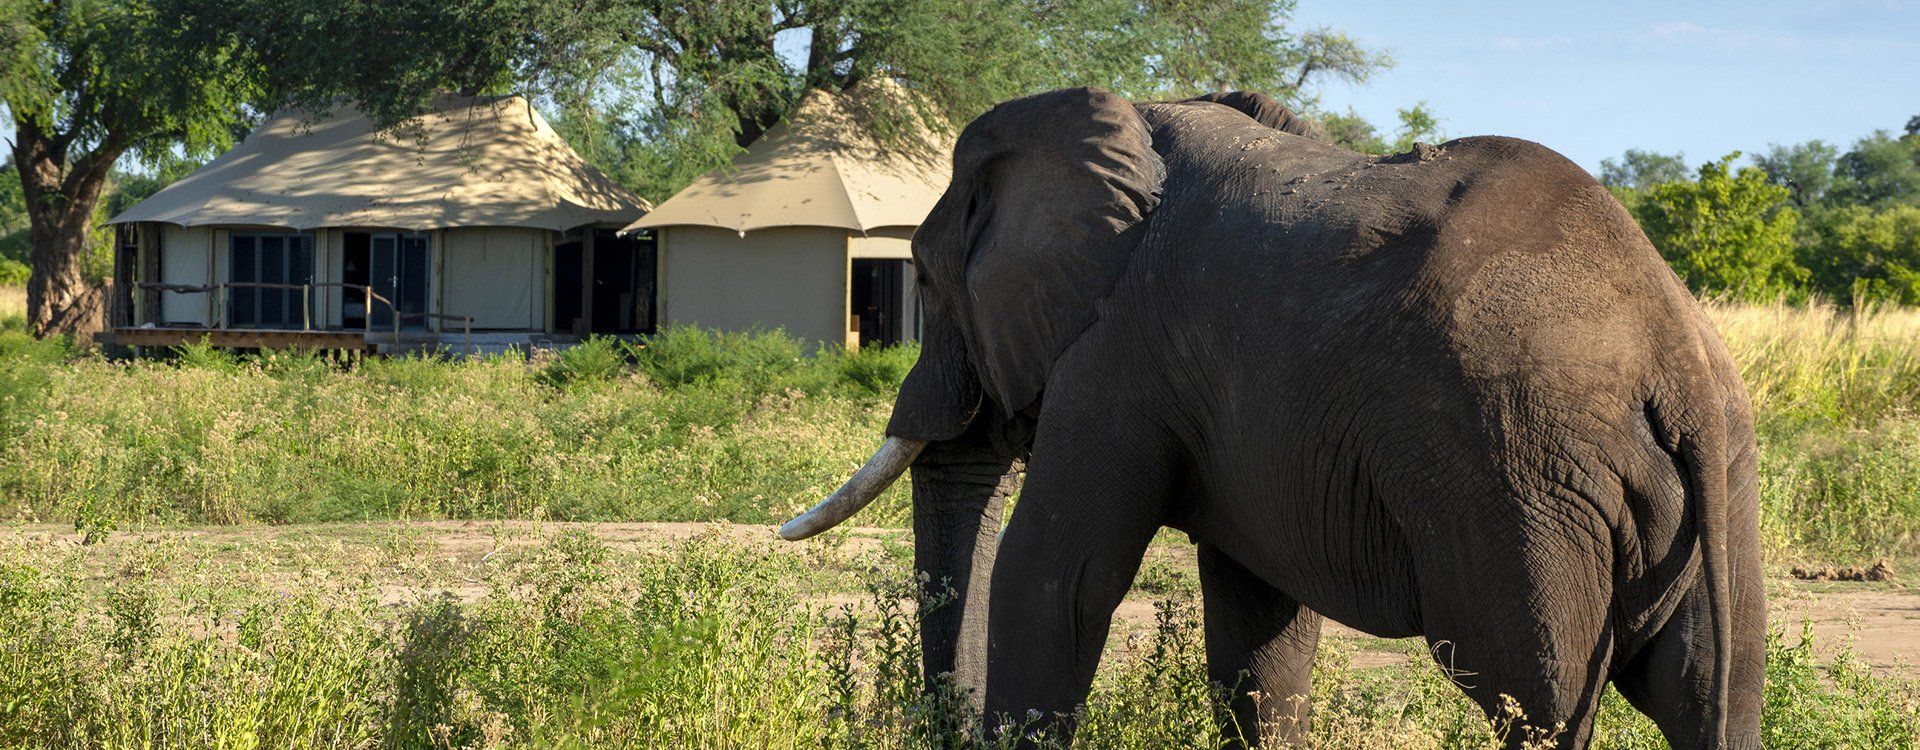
267 258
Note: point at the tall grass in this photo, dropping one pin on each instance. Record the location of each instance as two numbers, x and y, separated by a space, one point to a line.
696 426
1835 393
707 644
13 308
692 427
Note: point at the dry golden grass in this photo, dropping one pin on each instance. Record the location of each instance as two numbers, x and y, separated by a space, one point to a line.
1855 366
13 301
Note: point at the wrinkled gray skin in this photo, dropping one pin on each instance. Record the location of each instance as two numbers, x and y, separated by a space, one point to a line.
1452 393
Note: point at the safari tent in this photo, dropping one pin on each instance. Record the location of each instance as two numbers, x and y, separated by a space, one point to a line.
476 221
808 231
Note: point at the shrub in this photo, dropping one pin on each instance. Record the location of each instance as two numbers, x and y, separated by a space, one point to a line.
13 272
597 359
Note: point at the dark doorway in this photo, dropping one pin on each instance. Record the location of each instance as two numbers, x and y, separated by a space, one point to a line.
567 288
879 301
620 296
623 282
393 263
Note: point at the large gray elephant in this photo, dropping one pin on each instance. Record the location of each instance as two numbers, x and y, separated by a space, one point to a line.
1452 393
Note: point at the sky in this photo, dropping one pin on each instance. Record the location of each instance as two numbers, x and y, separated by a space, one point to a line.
1593 79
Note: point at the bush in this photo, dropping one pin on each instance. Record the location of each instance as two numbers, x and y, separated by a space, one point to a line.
1726 233
597 359
14 273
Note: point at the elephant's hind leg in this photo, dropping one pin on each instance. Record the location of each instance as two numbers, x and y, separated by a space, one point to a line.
1262 641
1521 615
1671 678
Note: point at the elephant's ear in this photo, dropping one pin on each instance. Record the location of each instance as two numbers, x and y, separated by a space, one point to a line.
1264 109
1036 228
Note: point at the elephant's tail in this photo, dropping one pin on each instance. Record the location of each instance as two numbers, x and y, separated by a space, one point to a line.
1703 450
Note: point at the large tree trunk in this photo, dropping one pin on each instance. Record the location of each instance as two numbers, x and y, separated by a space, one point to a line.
60 202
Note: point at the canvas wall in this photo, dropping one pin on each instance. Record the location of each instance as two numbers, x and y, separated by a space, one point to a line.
788 277
497 275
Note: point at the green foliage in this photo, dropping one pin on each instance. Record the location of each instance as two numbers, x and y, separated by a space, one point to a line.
656 94
13 272
597 359
1881 170
1641 170
1350 130
1726 233
1806 169
1417 125
1867 255
702 643
700 426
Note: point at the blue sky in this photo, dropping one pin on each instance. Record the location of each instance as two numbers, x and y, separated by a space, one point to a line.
1592 79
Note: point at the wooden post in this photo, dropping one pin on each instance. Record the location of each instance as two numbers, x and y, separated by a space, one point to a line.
306 307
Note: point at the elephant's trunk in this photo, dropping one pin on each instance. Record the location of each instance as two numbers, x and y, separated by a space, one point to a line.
959 493
893 458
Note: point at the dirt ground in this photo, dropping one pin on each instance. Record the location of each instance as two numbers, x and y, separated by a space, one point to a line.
1881 620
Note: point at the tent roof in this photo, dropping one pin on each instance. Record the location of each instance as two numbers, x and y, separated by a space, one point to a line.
487 161
819 168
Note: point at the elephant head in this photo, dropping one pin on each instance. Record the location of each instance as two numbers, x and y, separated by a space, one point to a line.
1049 197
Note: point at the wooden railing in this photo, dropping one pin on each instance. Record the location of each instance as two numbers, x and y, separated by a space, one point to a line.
219 298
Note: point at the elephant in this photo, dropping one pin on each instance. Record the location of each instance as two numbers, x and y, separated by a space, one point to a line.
1451 393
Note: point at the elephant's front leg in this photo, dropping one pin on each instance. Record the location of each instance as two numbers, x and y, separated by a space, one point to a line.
1259 641
1091 503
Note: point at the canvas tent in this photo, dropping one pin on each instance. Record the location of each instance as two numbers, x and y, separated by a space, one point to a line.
808 231
477 214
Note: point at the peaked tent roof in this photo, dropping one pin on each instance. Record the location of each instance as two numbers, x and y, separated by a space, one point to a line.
821 168
487 161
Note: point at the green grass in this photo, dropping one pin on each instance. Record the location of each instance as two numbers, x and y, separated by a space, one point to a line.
702 643
1837 399
747 428
692 427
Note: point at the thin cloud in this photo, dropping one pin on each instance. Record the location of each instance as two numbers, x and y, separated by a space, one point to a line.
1721 38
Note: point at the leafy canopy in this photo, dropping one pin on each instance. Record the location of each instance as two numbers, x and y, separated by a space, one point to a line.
1726 233
657 93
144 77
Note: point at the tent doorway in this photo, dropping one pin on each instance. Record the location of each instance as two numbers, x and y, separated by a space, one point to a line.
878 301
395 264
605 284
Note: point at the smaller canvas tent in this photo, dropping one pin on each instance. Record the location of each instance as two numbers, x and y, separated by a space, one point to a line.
477 214
808 231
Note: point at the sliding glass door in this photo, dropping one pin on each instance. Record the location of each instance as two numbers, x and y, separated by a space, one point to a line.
396 265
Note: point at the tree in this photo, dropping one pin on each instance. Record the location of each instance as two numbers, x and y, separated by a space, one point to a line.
1804 169
1352 131
660 92
87 82
1726 232
1865 254
1417 125
1881 170
1639 170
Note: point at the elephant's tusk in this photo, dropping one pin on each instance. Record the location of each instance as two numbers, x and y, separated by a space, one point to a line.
887 465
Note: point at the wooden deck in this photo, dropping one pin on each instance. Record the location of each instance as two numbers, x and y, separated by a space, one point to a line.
236 338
